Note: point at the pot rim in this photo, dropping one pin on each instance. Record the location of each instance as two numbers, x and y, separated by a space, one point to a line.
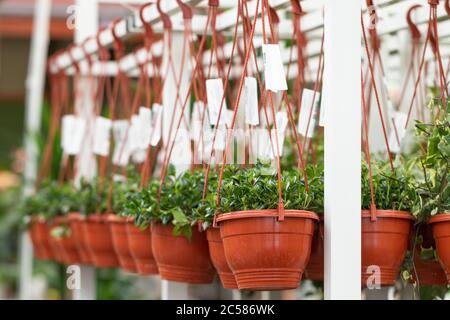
97 217
441 217
397 214
112 217
266 213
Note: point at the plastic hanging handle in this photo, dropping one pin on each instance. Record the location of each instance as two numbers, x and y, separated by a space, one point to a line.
148 30
447 7
296 7
415 32
185 9
433 3
167 23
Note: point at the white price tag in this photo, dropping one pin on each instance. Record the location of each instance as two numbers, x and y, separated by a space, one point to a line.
214 93
122 152
157 124
72 134
274 75
308 113
398 131
145 127
281 119
251 101
102 133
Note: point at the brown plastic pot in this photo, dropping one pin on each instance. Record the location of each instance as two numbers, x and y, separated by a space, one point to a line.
76 222
39 234
66 245
441 232
98 235
218 259
265 253
118 227
428 272
384 244
181 259
314 270
140 244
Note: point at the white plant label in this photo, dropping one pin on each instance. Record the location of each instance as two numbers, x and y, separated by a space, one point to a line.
221 138
262 116
251 101
134 134
196 120
398 131
157 125
102 136
145 127
72 134
281 119
323 104
307 110
214 93
122 152
274 75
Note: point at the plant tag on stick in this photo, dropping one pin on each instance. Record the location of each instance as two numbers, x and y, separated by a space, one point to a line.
72 134
145 127
102 136
157 125
134 134
307 118
121 154
214 92
221 138
251 101
398 131
198 110
274 75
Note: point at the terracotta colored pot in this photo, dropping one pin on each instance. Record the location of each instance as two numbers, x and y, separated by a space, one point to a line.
180 259
441 232
429 272
66 245
76 222
118 227
39 234
264 253
55 245
314 270
218 259
140 244
98 235
384 244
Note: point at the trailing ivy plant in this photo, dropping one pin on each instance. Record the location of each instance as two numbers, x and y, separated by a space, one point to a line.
392 190
434 187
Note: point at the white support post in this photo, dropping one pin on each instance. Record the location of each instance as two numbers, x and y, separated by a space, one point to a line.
35 91
86 24
342 150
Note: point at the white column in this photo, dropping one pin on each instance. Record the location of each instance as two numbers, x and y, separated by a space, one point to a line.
35 90
86 24
343 150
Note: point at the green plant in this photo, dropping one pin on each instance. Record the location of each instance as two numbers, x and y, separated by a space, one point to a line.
92 196
392 190
434 187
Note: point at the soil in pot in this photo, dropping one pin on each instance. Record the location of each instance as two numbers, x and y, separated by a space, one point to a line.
441 232
265 253
39 234
429 271
218 259
314 270
181 259
66 244
98 235
140 244
76 222
118 226
384 244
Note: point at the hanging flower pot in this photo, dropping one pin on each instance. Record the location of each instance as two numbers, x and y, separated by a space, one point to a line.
39 234
441 232
65 241
118 227
98 235
384 244
76 222
179 258
219 260
314 270
428 270
140 244
265 253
